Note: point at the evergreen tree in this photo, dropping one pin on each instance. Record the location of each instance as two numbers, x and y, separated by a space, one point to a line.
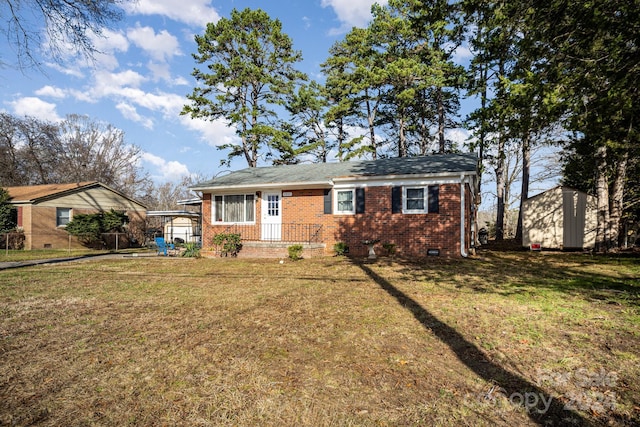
355 80
588 52
308 106
248 70
439 30
7 212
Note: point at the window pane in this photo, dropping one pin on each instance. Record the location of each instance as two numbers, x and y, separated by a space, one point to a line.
63 216
273 205
415 193
249 210
234 208
415 205
345 201
415 199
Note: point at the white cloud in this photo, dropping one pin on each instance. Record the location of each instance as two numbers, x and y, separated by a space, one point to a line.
169 104
351 13
168 170
66 70
83 95
50 91
113 83
180 81
214 133
110 41
160 71
35 107
124 88
130 112
191 12
462 54
459 136
161 46
108 44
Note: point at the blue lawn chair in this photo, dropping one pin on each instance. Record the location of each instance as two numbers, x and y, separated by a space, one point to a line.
163 246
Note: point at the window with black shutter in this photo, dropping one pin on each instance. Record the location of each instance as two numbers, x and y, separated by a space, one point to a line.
415 200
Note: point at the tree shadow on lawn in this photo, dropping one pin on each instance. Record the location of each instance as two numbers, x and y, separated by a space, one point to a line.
525 272
570 274
514 386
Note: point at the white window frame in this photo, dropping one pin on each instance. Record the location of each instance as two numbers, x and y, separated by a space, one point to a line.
337 211
70 217
215 216
425 201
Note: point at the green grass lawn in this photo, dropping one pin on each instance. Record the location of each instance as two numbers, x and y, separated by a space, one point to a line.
499 339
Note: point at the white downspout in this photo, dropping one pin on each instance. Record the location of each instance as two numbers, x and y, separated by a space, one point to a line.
463 251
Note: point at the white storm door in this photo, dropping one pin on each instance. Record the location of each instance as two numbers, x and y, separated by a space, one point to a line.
271 215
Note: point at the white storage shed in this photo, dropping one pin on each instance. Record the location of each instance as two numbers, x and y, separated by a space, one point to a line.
560 218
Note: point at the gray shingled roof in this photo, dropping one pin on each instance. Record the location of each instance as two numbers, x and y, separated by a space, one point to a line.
325 172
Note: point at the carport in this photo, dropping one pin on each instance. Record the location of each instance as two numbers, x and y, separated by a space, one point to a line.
178 224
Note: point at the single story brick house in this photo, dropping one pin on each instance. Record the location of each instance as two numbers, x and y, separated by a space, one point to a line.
44 210
422 205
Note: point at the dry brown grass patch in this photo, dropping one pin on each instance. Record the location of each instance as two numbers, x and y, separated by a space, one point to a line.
316 342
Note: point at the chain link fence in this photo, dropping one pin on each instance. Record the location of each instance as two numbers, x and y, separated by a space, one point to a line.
18 240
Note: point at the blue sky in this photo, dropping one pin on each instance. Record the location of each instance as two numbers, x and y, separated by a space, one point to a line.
140 82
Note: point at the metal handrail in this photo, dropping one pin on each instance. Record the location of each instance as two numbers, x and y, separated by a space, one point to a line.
286 232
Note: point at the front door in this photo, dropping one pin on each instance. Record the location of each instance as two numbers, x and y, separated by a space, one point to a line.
271 215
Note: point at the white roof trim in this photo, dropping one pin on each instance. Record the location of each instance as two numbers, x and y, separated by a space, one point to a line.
186 214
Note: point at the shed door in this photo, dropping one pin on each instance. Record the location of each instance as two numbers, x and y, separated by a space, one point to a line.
573 209
271 215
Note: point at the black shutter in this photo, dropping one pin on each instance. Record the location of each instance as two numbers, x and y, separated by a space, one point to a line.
434 205
396 200
359 200
327 201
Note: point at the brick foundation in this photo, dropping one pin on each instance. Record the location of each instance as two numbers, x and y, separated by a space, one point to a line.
272 250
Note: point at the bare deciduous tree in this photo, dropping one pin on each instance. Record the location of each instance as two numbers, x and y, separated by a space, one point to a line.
74 150
55 27
94 151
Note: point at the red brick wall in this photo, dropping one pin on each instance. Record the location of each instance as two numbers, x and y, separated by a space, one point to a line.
207 230
42 232
210 229
413 234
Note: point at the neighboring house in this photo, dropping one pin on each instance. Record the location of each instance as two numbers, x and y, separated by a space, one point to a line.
423 205
44 210
560 218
